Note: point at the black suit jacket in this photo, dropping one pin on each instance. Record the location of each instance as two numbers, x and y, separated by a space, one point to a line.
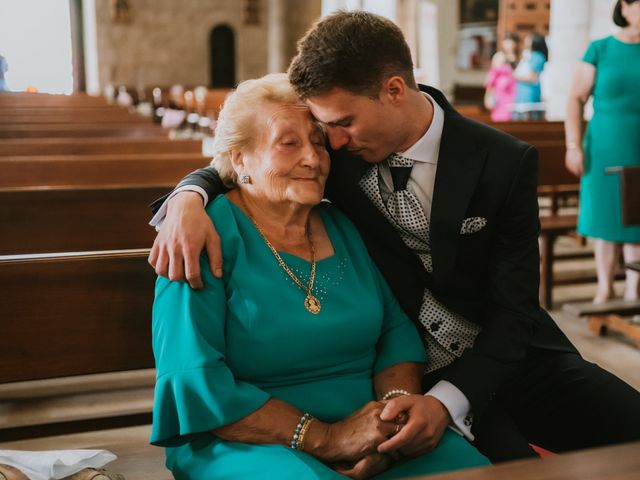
491 277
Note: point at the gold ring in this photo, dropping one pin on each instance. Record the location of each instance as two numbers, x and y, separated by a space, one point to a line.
401 418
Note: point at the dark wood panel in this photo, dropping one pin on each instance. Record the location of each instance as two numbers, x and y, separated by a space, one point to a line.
69 316
630 194
94 170
84 130
68 219
90 146
551 169
19 116
8 99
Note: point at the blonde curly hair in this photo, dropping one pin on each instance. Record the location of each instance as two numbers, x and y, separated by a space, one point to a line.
236 127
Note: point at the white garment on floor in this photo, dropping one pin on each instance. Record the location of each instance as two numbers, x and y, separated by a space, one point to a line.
55 464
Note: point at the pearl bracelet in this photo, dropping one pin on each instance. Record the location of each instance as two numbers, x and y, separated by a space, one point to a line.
297 441
396 392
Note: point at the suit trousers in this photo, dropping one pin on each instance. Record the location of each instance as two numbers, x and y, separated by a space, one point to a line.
557 401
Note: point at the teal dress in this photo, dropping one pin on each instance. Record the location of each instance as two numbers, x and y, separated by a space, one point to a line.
612 139
223 351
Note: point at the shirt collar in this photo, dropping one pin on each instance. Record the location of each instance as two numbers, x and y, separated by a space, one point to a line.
427 148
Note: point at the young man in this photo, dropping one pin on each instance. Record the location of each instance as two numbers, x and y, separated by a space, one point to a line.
448 210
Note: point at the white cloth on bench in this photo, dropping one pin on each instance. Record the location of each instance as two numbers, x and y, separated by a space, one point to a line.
55 464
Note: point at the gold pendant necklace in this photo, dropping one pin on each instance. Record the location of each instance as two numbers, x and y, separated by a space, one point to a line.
311 302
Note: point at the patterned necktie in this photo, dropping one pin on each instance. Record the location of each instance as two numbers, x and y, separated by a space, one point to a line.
403 205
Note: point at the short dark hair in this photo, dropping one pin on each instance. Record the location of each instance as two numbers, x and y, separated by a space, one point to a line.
618 18
355 51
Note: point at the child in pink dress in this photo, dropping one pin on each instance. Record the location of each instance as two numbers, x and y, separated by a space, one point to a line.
501 85
500 88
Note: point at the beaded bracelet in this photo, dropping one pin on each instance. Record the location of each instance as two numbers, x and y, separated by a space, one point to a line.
304 430
297 441
396 392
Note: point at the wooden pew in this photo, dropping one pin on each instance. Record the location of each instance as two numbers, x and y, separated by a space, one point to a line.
76 349
111 114
137 460
98 170
95 146
618 462
67 219
629 193
556 182
83 130
532 131
18 99
75 314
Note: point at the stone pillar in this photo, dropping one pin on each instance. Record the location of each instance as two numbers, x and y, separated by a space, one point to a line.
276 36
91 63
574 23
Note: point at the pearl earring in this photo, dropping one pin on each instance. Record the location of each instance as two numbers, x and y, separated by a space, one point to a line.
245 179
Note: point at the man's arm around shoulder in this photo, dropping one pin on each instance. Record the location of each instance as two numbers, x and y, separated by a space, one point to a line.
185 230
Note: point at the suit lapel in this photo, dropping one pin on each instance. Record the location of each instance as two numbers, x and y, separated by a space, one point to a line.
460 164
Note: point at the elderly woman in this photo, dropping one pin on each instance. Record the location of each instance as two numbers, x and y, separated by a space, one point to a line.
280 369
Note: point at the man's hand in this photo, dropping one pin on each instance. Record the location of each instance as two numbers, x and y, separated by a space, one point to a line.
351 439
367 467
185 232
427 420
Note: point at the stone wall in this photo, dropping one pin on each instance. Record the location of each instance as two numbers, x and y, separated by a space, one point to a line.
167 41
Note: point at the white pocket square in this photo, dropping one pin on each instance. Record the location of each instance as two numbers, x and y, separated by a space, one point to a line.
472 225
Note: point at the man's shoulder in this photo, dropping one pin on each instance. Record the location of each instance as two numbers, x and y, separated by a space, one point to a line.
481 134
495 141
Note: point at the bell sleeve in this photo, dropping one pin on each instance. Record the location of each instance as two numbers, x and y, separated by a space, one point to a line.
195 389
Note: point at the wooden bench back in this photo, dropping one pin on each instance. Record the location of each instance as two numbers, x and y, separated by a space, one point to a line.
96 170
93 146
551 169
83 130
75 315
27 115
68 219
18 99
629 192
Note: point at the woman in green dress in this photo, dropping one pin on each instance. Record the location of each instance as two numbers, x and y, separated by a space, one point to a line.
280 369
610 71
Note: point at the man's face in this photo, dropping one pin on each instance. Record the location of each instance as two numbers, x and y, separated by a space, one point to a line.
369 128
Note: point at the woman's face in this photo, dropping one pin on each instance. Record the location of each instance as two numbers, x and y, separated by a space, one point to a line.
631 13
509 46
288 162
